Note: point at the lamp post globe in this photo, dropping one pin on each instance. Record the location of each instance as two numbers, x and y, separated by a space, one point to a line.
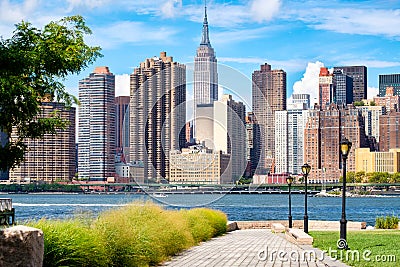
345 146
289 181
305 169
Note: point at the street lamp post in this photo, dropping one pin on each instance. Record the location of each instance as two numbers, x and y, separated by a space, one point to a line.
289 181
345 146
306 170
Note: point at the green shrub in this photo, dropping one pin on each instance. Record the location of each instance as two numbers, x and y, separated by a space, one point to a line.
71 243
139 234
205 223
143 234
388 222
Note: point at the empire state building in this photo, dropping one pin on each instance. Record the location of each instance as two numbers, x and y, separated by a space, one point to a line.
205 72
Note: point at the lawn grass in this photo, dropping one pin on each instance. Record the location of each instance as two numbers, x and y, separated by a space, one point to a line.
139 234
375 245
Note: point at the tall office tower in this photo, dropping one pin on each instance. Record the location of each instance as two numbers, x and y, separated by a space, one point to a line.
301 98
389 100
96 149
389 80
389 127
268 96
344 87
205 87
221 126
157 113
323 132
230 132
371 116
52 157
359 76
327 88
289 139
122 127
253 145
189 132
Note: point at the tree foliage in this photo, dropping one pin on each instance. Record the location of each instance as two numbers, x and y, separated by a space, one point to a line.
33 64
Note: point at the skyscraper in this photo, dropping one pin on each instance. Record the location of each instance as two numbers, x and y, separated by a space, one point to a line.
327 88
221 126
359 76
205 87
268 96
253 145
389 80
322 135
289 138
52 157
96 150
122 127
157 113
389 127
302 99
344 87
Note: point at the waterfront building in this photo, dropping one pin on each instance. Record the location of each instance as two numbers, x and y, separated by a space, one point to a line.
199 165
389 80
359 76
253 145
389 100
157 113
389 128
122 127
51 158
301 98
368 161
344 87
327 88
132 172
268 96
205 83
323 132
289 138
221 127
96 136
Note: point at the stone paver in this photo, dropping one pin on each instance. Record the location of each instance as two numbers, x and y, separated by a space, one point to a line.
252 247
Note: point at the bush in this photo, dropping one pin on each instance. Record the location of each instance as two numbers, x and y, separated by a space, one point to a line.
71 243
205 223
139 234
143 234
388 222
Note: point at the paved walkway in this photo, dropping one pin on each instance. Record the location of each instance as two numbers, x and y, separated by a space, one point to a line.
253 247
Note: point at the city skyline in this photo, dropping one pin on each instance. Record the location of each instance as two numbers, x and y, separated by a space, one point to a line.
287 34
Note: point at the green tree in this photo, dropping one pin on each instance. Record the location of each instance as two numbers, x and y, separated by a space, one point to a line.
359 103
33 64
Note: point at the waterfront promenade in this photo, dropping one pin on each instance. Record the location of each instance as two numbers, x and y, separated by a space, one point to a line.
252 247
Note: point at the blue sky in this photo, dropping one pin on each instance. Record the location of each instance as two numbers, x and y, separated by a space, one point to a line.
296 35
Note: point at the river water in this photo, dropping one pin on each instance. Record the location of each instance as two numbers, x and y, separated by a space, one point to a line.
237 207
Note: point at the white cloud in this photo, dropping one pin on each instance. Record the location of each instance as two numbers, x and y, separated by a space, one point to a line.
122 85
130 32
372 91
74 4
170 7
384 22
226 37
310 82
262 10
